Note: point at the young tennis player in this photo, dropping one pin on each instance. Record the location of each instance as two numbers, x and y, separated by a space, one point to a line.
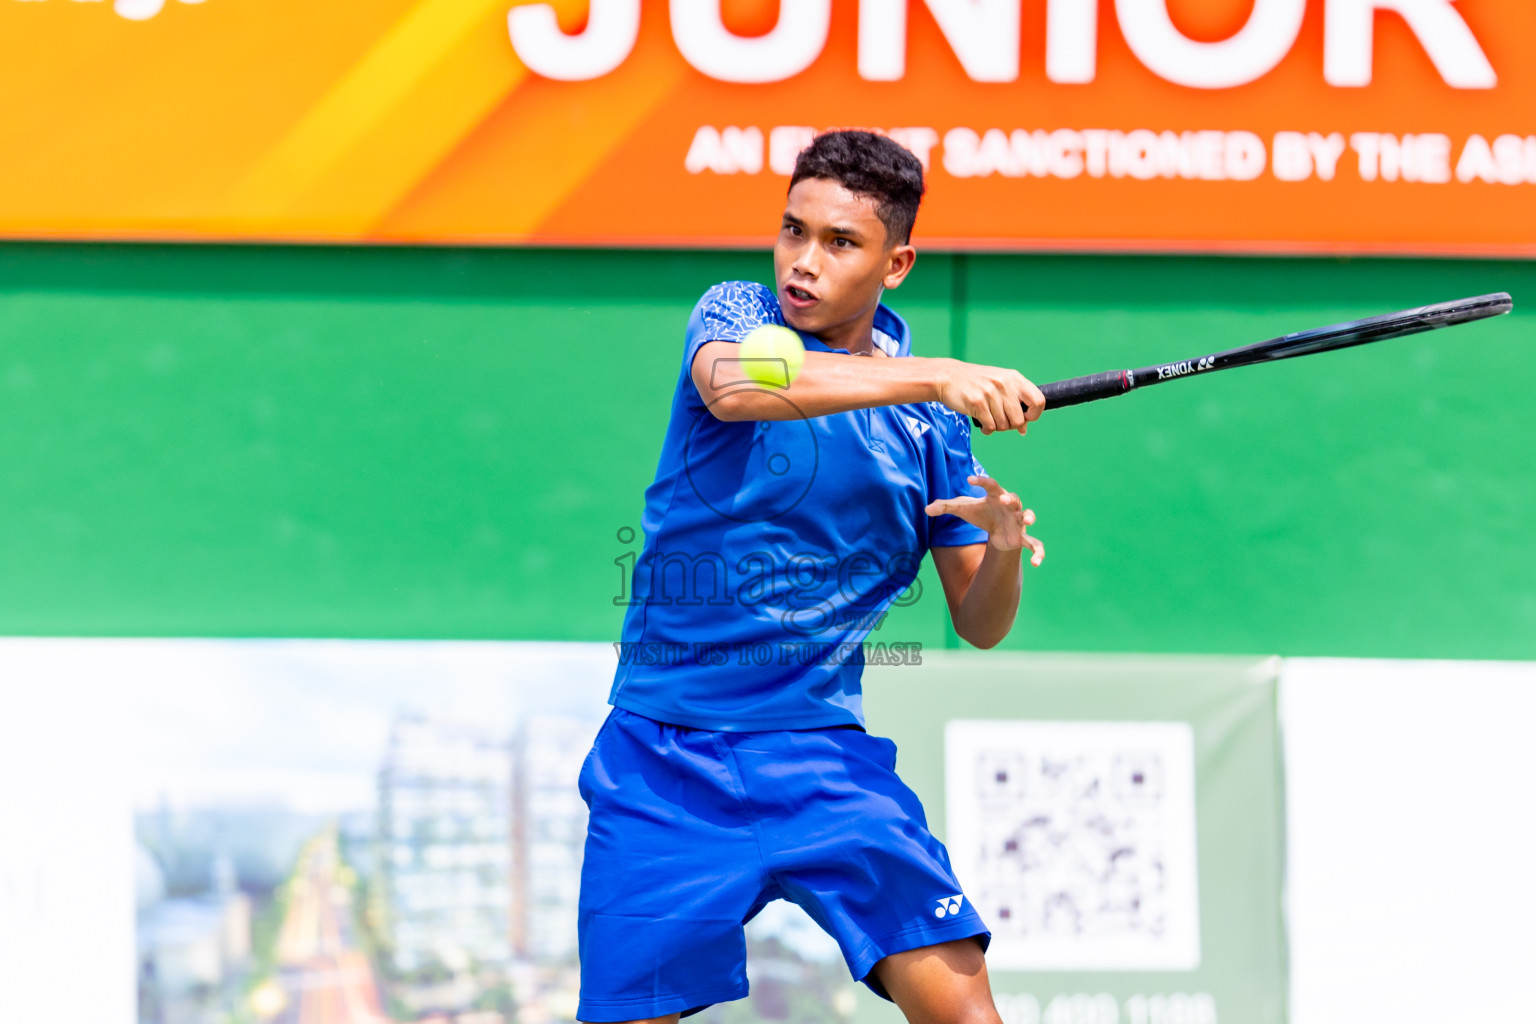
734 769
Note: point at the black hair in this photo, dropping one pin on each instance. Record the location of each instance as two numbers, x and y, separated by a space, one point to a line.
869 165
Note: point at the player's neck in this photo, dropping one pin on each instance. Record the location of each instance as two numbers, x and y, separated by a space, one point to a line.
856 336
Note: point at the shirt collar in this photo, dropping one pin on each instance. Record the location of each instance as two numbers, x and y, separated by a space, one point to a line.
891 334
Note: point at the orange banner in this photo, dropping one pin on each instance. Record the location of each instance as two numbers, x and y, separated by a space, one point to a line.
1175 125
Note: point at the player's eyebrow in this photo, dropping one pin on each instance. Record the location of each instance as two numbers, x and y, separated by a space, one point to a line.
854 233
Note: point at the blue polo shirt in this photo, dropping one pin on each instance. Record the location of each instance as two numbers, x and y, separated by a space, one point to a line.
773 548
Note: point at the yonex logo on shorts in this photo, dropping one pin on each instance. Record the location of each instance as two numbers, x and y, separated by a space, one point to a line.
948 906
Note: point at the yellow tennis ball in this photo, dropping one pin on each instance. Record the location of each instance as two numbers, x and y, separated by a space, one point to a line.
772 355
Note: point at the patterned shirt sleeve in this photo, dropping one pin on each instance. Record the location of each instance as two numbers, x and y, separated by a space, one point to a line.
727 312
959 463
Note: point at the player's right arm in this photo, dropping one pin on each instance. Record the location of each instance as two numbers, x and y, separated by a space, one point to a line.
998 398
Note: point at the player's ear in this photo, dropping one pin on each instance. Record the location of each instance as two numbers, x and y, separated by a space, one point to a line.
899 260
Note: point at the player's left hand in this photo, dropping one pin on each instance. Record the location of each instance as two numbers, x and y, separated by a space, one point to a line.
999 512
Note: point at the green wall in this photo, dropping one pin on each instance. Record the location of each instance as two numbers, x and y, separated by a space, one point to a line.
445 443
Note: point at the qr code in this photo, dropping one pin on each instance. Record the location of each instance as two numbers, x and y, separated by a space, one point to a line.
1076 841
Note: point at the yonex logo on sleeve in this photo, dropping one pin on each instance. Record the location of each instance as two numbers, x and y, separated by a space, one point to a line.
948 906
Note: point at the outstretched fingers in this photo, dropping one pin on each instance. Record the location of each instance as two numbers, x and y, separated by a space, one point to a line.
986 483
996 492
1036 546
952 506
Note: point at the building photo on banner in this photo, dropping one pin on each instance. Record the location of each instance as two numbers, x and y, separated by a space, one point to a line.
520 512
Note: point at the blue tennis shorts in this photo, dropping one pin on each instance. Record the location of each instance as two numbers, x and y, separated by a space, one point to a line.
693 832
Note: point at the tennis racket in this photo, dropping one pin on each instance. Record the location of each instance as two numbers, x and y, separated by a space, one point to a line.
1113 383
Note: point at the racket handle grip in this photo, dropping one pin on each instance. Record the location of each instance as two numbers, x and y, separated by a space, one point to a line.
1077 390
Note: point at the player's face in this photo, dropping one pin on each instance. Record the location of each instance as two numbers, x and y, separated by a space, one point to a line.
832 260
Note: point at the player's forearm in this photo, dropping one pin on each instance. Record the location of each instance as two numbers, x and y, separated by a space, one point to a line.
827 384
985 614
